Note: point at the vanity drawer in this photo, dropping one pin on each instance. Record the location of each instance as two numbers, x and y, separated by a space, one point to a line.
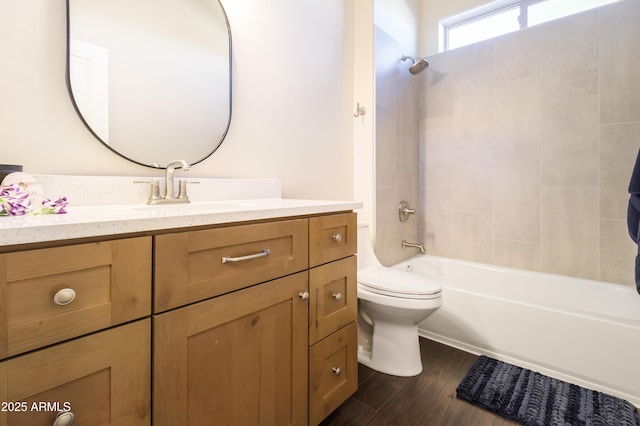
333 301
332 237
103 379
333 372
111 281
196 265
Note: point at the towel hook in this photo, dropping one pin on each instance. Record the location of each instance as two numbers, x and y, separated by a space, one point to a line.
360 111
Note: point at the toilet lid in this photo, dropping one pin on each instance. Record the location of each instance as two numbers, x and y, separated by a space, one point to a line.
394 282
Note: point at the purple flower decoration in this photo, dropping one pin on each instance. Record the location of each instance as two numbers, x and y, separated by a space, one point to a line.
13 201
54 207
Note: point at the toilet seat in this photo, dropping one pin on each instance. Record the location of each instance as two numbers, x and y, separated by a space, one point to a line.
396 283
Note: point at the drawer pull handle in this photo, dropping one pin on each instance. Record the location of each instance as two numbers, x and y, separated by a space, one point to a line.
304 295
64 296
336 296
336 237
64 418
337 371
263 253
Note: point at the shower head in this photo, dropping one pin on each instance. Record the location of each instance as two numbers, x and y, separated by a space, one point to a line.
419 64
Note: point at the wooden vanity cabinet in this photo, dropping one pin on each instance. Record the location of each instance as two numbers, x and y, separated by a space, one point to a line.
245 324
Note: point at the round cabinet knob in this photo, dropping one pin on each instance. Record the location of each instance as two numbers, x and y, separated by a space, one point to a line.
64 296
304 295
336 296
336 370
336 237
64 418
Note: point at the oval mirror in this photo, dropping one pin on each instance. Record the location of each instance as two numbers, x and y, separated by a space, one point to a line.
151 79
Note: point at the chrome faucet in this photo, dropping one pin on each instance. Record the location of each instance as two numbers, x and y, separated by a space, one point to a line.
169 193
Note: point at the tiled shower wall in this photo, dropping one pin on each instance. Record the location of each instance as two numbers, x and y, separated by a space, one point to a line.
527 143
397 149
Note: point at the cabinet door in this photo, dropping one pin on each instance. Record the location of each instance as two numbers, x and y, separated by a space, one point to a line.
333 372
111 281
235 359
333 301
102 378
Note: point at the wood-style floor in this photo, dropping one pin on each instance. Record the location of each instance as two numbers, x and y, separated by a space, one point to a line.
428 399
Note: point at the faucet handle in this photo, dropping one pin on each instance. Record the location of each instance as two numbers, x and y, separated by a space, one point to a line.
182 189
154 195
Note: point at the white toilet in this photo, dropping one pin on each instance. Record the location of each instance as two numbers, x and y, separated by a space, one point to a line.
391 303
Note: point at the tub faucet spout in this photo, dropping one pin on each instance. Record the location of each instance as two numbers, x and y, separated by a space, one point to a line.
415 245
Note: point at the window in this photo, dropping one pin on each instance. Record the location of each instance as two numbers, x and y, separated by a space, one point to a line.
505 16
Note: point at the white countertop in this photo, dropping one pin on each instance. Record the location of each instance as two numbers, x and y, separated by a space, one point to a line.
91 221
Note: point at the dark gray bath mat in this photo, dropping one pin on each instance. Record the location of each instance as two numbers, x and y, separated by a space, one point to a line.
531 398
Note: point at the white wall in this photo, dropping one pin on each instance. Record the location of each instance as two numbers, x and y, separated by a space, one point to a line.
363 94
399 18
292 97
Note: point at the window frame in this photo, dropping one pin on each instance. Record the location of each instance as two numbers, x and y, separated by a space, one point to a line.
483 12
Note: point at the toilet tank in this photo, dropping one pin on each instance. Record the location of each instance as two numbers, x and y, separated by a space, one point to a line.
366 255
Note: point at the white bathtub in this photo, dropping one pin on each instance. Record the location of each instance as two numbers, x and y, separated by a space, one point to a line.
582 331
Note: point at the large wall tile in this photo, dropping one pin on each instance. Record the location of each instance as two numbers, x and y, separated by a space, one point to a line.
472 94
570 57
516 194
620 13
385 147
437 227
518 55
387 242
620 74
472 236
472 115
436 91
570 143
407 155
407 112
517 117
436 152
517 254
569 231
472 178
